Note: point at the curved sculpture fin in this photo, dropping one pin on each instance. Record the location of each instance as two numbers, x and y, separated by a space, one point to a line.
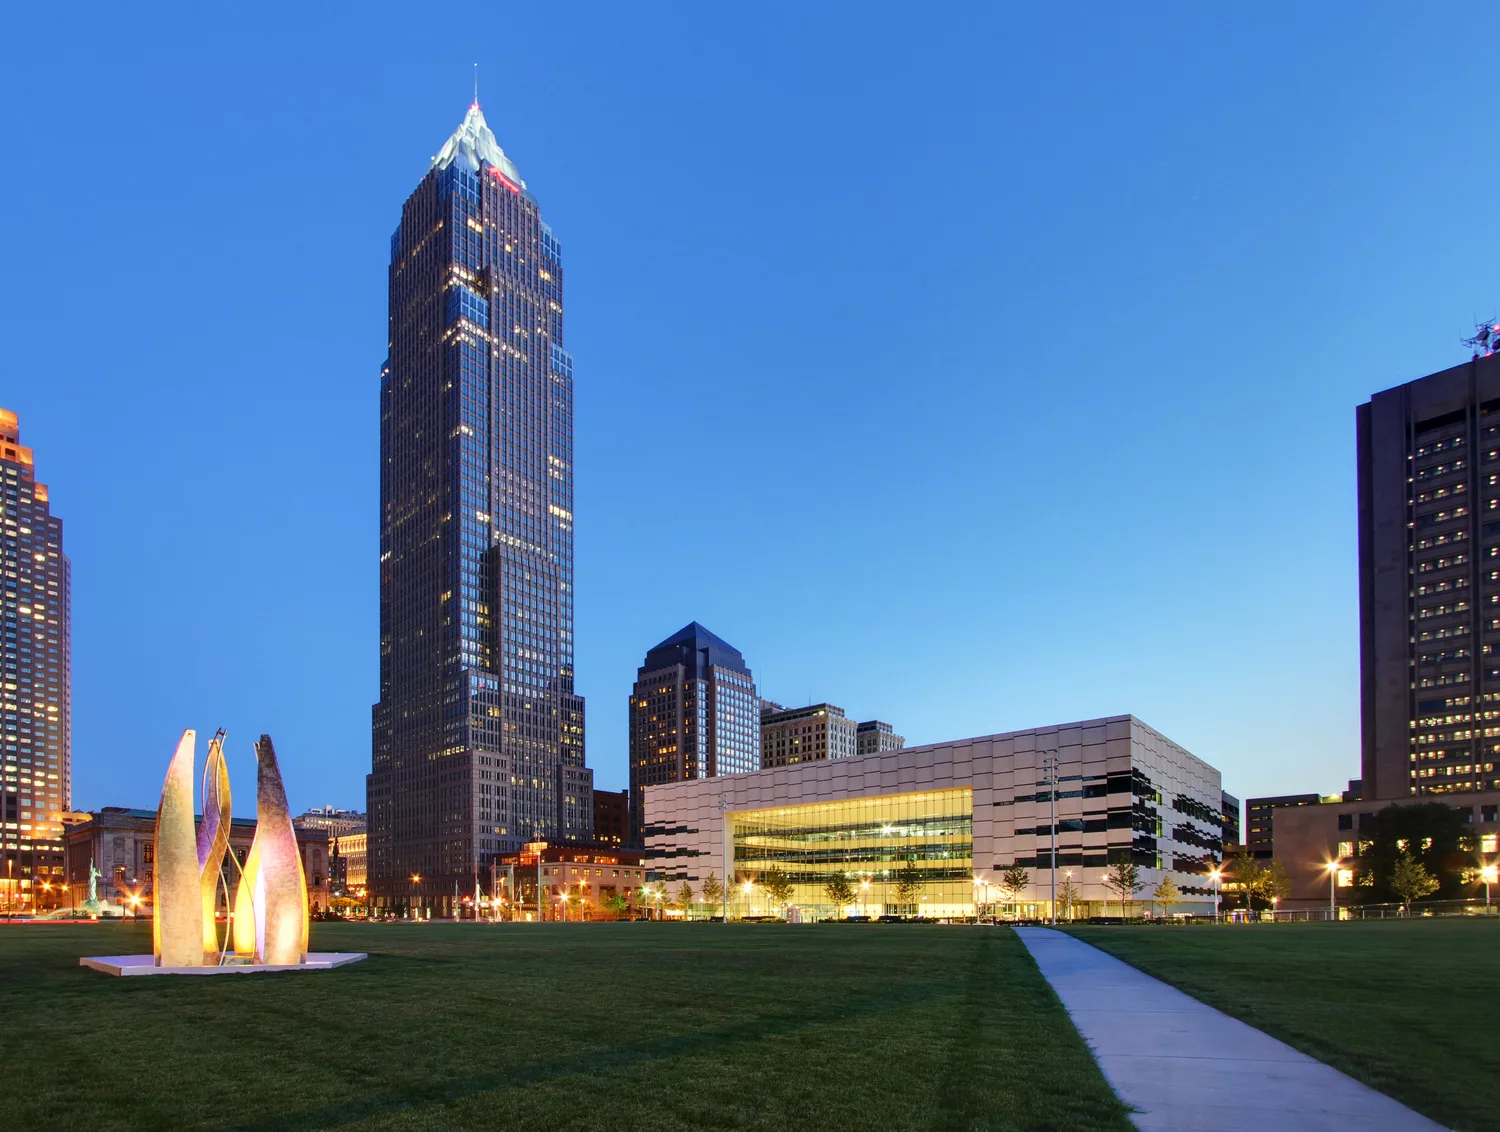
177 909
284 925
213 840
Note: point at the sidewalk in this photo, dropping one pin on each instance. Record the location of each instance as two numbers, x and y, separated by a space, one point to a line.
1185 1066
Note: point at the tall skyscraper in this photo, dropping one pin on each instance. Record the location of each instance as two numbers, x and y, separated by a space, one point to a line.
1429 583
478 735
37 679
694 713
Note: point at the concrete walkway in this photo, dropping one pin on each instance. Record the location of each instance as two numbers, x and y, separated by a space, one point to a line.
1185 1066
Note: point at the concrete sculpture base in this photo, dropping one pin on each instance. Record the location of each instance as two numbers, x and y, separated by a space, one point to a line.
146 964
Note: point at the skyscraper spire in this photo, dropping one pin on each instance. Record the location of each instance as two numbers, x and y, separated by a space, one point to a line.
476 84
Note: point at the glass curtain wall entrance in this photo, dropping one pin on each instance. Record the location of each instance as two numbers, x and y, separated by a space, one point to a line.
900 854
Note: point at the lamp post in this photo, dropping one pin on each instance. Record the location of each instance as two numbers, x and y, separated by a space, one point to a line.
1489 874
1069 876
1216 875
1049 780
1333 878
416 879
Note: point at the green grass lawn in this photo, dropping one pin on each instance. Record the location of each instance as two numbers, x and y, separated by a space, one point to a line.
1407 1006
617 1026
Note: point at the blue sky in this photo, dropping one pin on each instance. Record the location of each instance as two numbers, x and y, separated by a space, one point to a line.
972 368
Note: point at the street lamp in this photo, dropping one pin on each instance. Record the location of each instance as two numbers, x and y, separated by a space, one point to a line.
1217 876
1069 875
1333 877
1489 874
1049 780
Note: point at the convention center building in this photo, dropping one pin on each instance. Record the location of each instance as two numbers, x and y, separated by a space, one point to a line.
928 831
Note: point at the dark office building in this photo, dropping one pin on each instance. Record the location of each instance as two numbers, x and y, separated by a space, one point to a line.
612 817
1230 823
694 713
478 735
1258 827
1429 583
37 691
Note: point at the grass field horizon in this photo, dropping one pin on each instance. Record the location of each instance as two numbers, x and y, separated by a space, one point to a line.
1401 1005
582 1026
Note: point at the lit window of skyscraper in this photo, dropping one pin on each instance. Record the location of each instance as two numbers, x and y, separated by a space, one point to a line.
35 691
478 735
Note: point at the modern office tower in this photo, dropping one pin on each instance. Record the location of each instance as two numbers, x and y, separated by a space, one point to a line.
37 692
799 735
1429 583
874 736
694 713
478 735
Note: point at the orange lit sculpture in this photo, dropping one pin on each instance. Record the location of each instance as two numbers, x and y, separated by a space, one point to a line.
272 881
177 933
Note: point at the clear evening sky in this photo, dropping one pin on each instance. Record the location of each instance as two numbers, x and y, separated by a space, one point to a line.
970 368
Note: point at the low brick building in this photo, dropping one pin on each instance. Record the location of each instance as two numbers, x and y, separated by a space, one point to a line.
1309 837
586 874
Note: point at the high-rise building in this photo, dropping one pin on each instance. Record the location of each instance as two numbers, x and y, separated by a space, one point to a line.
612 817
479 734
36 689
798 735
875 735
694 713
1429 583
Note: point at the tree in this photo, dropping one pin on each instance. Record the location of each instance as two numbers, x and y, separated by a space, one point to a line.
1067 896
909 883
839 891
615 904
713 891
1432 834
1014 882
1124 880
1410 880
1250 875
685 898
778 887
1275 884
1166 893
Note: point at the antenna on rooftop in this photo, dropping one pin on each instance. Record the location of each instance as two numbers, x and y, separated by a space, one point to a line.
476 84
1487 339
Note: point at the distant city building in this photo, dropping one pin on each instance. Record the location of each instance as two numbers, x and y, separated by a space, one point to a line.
952 817
353 867
798 735
1310 838
478 737
335 821
36 691
874 736
694 713
576 880
612 817
121 843
1230 816
1428 458
1258 820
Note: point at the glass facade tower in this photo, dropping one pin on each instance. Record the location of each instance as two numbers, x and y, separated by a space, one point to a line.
35 692
478 742
694 713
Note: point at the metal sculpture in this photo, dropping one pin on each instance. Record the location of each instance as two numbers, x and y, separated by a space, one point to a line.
268 918
213 842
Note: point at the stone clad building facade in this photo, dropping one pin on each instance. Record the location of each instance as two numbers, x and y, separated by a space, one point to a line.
951 817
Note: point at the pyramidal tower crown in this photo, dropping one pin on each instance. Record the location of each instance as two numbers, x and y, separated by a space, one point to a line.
474 142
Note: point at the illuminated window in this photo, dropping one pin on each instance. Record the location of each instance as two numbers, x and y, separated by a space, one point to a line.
1489 843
